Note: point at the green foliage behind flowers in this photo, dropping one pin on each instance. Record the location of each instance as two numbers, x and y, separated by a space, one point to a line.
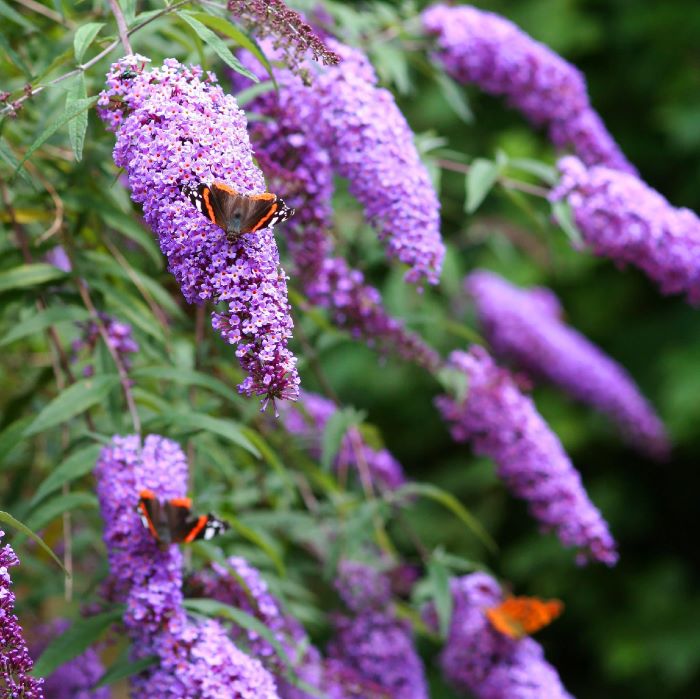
74 246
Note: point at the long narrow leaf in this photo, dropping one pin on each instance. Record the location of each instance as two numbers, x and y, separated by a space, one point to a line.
7 518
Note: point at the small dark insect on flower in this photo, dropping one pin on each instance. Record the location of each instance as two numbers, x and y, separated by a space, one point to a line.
290 33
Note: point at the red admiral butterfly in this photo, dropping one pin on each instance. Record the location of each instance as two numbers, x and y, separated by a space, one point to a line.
237 213
172 521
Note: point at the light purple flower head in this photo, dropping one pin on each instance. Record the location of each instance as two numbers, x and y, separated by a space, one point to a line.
503 424
481 661
622 218
309 420
491 52
371 640
119 337
15 661
58 258
76 678
526 328
194 658
174 126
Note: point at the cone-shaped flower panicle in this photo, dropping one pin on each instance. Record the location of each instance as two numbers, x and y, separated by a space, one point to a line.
526 328
489 51
622 218
176 127
371 639
503 424
195 658
309 420
482 661
15 661
76 678
367 141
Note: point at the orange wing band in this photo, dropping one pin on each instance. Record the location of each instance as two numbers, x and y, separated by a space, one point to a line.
181 502
201 523
261 223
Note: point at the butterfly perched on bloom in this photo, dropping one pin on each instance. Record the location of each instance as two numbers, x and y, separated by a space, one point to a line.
172 521
517 617
237 213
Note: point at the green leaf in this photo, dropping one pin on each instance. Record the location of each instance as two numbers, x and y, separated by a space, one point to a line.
76 399
132 229
334 431
545 172
26 276
15 57
14 16
74 641
480 180
228 429
217 45
455 383
8 156
48 511
11 436
186 377
439 577
129 9
455 97
255 537
76 465
77 107
84 36
7 518
43 320
125 667
77 128
450 502
230 30
563 216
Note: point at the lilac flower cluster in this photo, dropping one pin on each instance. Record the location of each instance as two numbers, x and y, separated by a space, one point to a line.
525 327
488 50
173 128
503 424
119 337
622 218
371 640
308 420
368 142
76 678
195 659
481 661
15 661
240 585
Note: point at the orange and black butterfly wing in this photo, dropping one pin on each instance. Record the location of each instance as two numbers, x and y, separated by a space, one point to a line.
152 515
185 527
517 617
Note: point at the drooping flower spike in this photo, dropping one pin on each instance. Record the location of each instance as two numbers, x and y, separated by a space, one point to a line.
176 128
194 658
485 49
525 326
503 424
622 218
480 660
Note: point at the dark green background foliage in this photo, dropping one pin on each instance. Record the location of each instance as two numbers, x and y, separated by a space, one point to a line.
633 631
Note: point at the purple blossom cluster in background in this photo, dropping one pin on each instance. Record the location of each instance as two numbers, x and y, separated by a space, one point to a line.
308 419
526 328
15 661
622 218
503 424
485 49
371 639
194 658
478 659
175 126
119 337
76 678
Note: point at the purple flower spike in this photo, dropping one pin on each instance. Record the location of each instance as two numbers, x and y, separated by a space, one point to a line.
310 420
491 52
174 128
481 661
15 661
194 659
525 327
622 218
119 336
372 640
504 425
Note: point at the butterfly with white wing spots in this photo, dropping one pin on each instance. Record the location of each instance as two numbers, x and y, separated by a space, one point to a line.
237 213
172 521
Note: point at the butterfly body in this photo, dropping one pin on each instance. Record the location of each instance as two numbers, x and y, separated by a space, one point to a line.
172 521
517 617
235 213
